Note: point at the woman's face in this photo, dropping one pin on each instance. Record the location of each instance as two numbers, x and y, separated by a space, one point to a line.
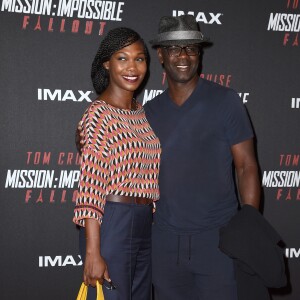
127 67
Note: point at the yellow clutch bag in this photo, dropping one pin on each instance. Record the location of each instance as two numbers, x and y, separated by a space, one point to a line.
82 295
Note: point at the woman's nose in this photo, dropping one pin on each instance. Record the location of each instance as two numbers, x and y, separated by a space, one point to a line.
131 65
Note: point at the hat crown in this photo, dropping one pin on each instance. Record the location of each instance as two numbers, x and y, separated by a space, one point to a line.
181 23
173 30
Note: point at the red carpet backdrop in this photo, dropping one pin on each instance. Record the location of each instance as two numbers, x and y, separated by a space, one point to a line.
47 47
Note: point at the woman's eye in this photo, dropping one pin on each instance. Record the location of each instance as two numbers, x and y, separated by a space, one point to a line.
121 58
141 59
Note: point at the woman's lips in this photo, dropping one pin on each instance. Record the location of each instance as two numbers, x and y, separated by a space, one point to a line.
132 79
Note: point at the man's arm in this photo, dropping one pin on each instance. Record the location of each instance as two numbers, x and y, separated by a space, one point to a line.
247 172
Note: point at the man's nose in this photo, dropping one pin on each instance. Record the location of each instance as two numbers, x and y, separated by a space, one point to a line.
183 52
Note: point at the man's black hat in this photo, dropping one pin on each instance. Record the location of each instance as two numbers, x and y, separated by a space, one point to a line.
174 30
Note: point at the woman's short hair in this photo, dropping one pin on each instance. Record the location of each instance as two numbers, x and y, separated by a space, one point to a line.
115 40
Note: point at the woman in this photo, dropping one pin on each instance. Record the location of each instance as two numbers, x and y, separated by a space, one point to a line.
119 173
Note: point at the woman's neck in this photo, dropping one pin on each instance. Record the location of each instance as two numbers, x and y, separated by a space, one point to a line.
121 100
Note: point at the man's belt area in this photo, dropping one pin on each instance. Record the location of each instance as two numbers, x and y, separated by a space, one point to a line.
129 199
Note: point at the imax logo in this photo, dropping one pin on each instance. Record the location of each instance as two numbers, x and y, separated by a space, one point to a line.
206 18
292 252
59 261
295 103
67 95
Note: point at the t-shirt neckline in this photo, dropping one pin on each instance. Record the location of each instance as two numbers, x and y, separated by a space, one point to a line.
123 110
189 101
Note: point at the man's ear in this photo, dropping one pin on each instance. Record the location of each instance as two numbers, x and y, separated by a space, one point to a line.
106 65
160 56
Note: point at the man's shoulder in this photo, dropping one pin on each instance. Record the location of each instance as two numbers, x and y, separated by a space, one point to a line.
155 102
218 94
216 89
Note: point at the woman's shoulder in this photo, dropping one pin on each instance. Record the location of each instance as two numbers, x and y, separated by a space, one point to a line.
97 108
100 107
97 105
95 113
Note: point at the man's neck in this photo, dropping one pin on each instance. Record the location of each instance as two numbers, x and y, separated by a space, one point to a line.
179 92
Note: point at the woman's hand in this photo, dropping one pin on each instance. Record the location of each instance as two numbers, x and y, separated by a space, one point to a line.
95 269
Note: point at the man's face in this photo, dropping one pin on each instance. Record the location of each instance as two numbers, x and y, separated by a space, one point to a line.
180 66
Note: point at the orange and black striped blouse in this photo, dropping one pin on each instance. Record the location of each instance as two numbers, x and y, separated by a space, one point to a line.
121 156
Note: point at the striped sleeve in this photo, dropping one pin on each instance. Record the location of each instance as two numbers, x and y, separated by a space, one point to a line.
91 196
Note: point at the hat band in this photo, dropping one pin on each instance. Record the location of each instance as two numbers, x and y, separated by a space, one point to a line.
179 35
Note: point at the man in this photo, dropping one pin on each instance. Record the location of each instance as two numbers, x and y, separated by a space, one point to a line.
203 129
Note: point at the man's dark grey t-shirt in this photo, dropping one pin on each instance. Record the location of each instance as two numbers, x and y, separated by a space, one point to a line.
196 180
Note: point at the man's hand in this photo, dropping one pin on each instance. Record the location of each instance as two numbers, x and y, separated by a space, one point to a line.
79 137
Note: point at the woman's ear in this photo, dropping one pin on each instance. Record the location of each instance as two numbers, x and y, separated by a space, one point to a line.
106 65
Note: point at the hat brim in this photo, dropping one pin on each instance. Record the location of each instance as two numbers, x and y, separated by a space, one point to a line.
178 37
155 43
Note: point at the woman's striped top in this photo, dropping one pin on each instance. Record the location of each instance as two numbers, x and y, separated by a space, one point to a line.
121 156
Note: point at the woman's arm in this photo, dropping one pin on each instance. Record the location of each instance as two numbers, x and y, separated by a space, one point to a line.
95 267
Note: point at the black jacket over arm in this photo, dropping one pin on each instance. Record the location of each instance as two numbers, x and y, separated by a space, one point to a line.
253 244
